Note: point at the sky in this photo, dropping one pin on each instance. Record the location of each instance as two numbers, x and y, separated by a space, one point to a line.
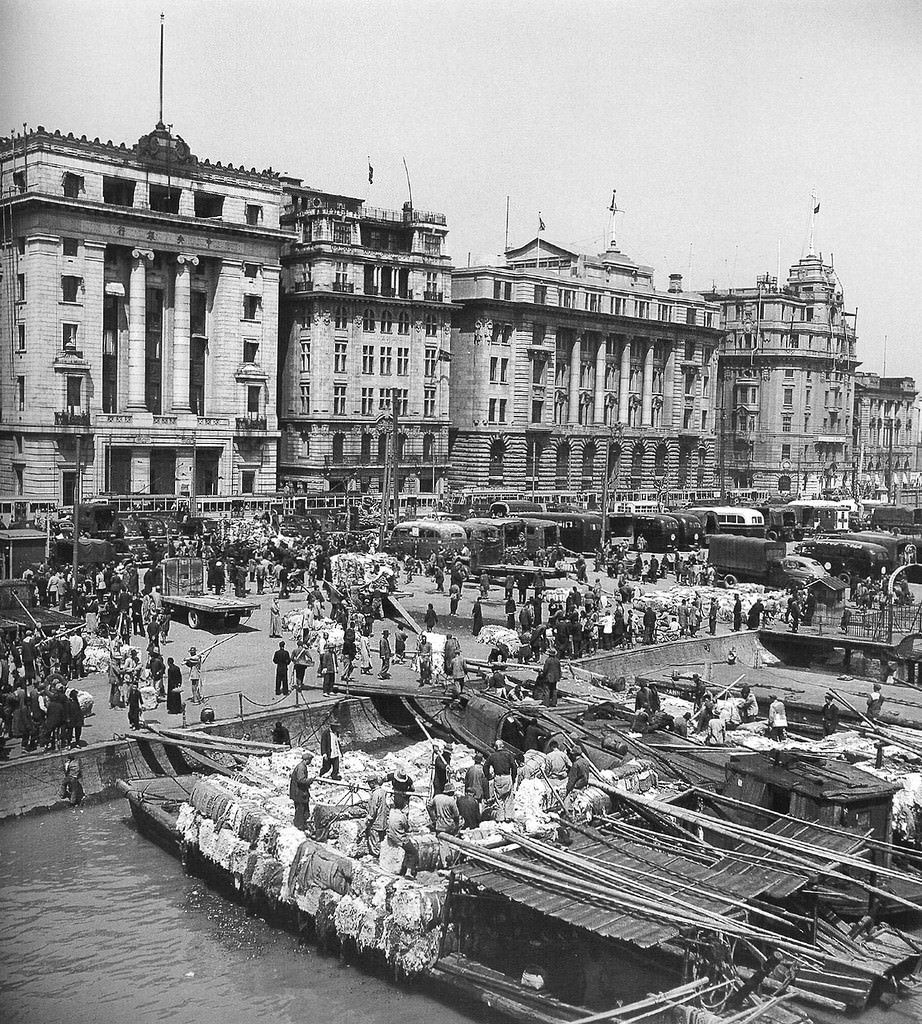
713 119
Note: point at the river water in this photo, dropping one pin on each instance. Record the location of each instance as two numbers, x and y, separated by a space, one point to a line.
100 926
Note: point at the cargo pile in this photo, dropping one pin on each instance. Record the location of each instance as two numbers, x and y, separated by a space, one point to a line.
666 603
364 572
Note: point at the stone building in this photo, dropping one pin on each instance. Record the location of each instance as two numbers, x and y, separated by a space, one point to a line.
787 364
884 434
365 322
140 297
555 353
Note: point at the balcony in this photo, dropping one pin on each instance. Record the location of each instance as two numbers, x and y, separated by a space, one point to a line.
432 296
343 286
72 418
301 286
246 424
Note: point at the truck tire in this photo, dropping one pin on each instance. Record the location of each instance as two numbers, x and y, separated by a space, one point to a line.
771 535
844 577
231 621
798 534
194 619
730 580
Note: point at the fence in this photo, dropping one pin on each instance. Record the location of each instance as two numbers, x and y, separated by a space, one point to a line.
884 623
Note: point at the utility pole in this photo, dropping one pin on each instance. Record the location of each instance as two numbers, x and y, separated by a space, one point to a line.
396 463
77 496
890 462
619 428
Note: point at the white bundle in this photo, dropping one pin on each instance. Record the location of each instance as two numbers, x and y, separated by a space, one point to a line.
148 698
364 571
86 702
500 636
532 799
350 916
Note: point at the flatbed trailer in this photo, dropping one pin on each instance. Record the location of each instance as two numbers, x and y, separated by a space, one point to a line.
184 589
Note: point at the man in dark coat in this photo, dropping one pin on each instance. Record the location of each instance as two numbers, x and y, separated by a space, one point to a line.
299 789
737 614
330 750
282 660
552 676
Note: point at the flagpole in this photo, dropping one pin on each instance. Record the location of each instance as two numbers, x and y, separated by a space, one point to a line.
538 261
506 244
810 251
409 186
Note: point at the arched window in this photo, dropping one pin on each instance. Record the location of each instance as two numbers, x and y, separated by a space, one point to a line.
497 460
637 458
428 447
432 326
366 448
338 442
403 323
659 463
784 484
368 320
382 449
588 464
562 466
387 321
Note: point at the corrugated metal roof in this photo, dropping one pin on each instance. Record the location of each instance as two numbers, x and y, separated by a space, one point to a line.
674 876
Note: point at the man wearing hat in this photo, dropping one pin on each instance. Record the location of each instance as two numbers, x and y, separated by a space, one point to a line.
194 661
376 817
830 715
500 769
443 810
330 750
299 789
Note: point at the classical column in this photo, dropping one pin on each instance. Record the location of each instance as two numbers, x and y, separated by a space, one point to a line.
624 389
598 398
573 411
646 409
669 386
182 330
137 320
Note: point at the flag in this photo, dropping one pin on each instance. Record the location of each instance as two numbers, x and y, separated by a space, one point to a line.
371 172
540 223
816 209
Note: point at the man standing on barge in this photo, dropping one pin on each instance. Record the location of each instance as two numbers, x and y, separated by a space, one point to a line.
299 789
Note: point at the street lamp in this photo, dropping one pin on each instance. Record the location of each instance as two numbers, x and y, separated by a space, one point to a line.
616 428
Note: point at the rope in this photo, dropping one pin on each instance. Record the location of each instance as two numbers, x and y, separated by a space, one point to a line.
257 704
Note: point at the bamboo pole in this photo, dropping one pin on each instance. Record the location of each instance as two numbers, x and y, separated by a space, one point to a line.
689 990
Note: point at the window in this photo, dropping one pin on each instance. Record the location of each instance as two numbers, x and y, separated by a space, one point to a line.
341 277
197 314
403 323
789 373
494 369
691 316
21 338
68 337
617 305
338 445
21 393
786 423
340 318
368 359
207 205
537 371
387 322
20 287
808 397
432 326
342 232
305 355
664 312
808 313
497 410
74 392
785 452
20 483
305 399
403 362
541 294
538 334
339 356
402 398
384 360
251 270
70 246
339 399
537 411
492 411
164 199
19 181
252 304
253 393
429 362
704 419
368 320
642 310
432 288
504 371
384 399
254 214
120 192
429 401
247 481
788 397
689 351
250 350
432 245
567 298
70 288
368 401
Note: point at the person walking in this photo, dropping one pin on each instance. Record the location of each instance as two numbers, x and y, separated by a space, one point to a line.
173 688
454 596
134 705
430 619
301 659
364 654
328 669
830 715
275 618
476 617
510 611
384 653
349 652
282 660
330 750
424 661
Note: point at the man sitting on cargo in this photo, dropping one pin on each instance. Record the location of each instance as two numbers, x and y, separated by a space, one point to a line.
581 771
299 789
748 705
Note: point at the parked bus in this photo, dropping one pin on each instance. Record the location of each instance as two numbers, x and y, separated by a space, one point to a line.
509 508
578 531
660 531
744 522
691 533
815 516
895 545
847 556
485 541
26 512
424 537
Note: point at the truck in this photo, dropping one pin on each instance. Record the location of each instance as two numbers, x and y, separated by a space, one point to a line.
757 560
20 612
185 591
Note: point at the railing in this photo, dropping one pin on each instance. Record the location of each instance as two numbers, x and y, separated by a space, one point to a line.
431 296
71 418
343 286
251 423
372 462
389 293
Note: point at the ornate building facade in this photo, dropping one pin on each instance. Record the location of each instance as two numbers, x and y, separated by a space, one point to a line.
140 297
787 365
884 434
555 354
365 326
